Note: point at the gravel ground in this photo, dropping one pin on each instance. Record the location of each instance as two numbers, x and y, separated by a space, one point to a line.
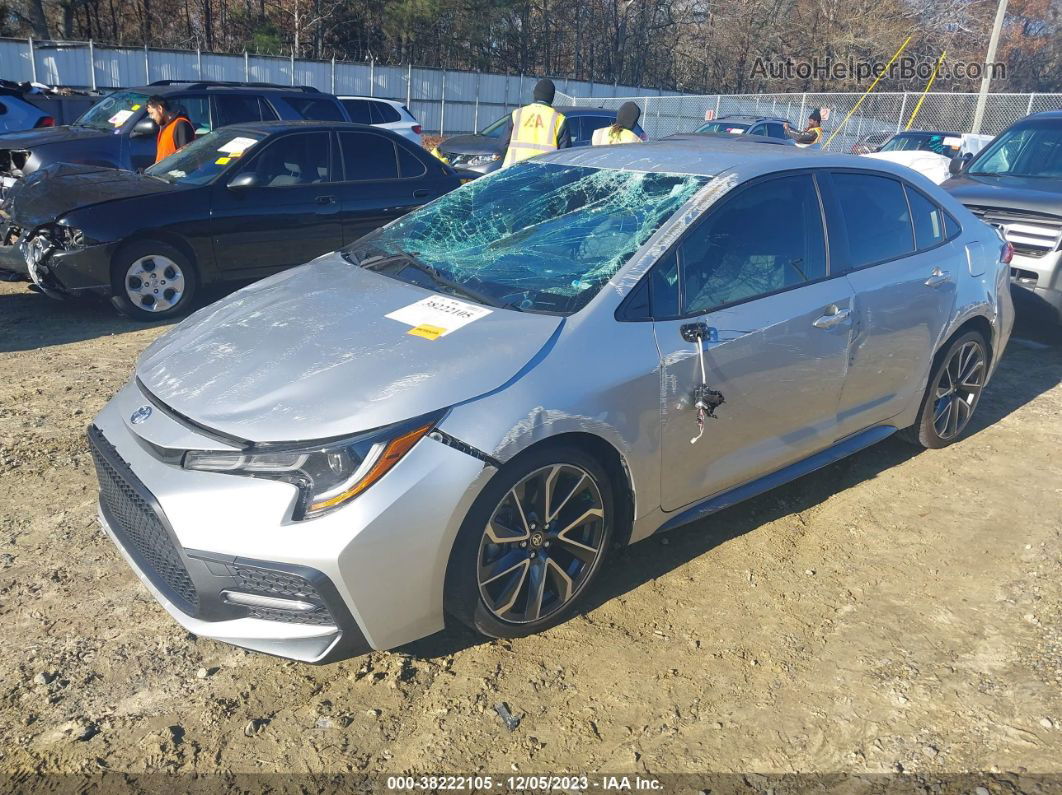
897 611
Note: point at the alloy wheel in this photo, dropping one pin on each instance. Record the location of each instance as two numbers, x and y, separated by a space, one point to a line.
958 390
541 544
154 283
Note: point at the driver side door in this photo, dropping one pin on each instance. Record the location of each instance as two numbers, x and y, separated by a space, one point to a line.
287 215
755 270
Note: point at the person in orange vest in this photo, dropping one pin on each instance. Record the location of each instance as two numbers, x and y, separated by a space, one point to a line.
535 128
175 128
622 132
811 138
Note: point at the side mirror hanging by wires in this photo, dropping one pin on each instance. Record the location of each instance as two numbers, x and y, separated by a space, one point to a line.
705 399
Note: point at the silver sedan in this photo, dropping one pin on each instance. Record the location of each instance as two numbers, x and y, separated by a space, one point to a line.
464 412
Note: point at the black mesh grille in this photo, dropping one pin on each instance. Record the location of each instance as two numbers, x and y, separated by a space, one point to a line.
135 522
284 585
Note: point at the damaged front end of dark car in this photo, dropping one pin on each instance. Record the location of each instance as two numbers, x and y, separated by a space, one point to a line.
48 248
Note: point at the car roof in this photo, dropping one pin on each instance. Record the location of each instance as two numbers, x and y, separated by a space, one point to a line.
707 156
747 138
744 117
165 87
304 125
1044 114
569 110
385 100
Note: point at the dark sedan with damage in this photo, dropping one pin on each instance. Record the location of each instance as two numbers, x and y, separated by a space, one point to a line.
240 203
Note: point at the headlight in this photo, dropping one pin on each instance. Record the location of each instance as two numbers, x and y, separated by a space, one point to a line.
481 160
328 474
72 238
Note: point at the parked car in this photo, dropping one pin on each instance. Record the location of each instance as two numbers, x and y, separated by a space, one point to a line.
871 142
117 132
385 113
927 162
936 141
744 138
241 202
464 412
482 153
745 124
26 106
1015 184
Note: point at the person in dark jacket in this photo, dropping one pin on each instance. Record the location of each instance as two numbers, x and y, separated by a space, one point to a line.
535 128
812 136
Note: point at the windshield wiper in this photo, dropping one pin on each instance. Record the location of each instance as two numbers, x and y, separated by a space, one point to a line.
410 259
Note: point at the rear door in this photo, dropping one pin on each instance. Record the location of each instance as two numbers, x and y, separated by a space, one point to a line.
383 179
755 270
891 240
291 213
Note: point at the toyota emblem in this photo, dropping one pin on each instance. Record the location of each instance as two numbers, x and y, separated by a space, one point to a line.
140 415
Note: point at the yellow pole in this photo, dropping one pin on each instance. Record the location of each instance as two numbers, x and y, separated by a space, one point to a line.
877 79
922 98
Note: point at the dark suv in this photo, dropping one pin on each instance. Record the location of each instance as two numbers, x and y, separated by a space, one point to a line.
482 152
116 131
1015 184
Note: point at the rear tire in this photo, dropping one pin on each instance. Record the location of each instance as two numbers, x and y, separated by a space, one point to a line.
952 395
532 544
152 280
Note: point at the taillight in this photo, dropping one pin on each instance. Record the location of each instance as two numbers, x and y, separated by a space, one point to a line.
1006 254
417 129
45 121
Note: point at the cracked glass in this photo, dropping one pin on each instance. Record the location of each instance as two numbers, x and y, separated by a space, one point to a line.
537 237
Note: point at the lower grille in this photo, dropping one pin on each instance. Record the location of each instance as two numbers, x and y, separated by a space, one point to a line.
283 585
125 503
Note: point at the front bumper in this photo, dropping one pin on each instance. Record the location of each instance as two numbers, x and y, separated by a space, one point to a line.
375 568
54 269
1040 279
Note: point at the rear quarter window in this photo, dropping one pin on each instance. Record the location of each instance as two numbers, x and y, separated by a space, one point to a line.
316 108
382 113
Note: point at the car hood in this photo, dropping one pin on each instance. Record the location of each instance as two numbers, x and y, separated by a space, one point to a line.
30 139
310 354
49 193
1012 193
471 145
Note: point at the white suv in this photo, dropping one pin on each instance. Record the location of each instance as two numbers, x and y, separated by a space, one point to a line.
383 113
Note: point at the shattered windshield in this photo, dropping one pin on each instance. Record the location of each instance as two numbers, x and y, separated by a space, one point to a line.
536 236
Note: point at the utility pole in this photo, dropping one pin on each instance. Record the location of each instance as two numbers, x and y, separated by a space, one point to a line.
990 59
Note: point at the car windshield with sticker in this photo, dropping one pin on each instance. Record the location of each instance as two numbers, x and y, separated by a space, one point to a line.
204 158
537 237
114 110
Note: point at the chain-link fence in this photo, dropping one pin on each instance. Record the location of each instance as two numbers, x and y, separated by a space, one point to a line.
877 113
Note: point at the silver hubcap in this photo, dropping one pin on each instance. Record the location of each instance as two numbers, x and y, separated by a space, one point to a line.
542 543
957 390
154 283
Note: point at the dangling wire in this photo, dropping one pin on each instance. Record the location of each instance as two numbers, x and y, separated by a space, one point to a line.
705 399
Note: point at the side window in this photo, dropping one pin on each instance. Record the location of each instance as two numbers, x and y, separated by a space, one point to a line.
584 126
236 109
766 238
758 129
928 220
409 165
316 108
776 130
382 113
299 159
358 110
367 156
198 110
268 114
875 217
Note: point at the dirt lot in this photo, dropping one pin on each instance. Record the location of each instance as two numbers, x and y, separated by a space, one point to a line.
898 610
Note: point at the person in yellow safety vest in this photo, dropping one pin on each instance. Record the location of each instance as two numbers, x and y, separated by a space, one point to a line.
535 128
622 132
811 138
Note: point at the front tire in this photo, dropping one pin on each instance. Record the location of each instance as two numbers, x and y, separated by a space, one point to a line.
954 390
532 544
152 280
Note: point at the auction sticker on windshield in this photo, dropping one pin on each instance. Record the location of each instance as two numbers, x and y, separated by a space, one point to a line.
437 316
237 145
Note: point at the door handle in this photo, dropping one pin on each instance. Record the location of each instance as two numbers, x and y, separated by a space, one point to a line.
420 193
325 199
834 316
938 278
